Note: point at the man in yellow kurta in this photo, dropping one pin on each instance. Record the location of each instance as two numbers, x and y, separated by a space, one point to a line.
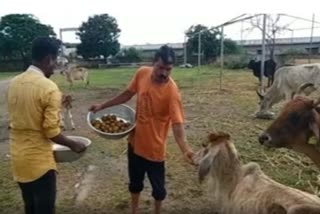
34 103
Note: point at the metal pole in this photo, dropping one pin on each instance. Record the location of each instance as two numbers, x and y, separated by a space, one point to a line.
199 50
185 49
62 47
221 55
263 50
241 33
311 38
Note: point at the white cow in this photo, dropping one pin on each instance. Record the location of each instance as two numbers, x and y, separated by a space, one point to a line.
245 189
62 61
288 81
74 72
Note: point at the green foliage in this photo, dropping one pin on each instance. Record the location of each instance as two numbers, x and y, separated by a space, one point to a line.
129 55
17 31
99 37
210 42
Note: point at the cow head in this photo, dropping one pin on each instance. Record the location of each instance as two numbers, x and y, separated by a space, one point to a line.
217 156
67 101
265 101
297 122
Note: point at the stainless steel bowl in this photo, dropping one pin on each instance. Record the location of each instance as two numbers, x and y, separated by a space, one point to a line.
65 154
122 111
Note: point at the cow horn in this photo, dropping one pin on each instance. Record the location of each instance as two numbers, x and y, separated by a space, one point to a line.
303 87
260 95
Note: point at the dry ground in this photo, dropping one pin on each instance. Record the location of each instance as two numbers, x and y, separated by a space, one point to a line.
97 183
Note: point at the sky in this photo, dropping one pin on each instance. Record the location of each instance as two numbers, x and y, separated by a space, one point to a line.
165 21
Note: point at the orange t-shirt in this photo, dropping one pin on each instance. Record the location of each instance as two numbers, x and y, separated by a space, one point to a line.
157 107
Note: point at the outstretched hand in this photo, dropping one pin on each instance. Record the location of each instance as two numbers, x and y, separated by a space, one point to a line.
189 156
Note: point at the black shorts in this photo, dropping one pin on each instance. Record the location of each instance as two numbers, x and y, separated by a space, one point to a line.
138 167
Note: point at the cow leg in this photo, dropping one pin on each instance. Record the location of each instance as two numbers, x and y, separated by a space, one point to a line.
86 80
310 151
269 81
71 119
287 95
70 80
62 123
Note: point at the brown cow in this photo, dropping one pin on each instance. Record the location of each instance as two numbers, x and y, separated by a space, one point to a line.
298 121
245 189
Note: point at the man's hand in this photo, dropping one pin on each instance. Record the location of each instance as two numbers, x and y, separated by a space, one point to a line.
189 156
96 107
122 98
75 146
179 134
78 147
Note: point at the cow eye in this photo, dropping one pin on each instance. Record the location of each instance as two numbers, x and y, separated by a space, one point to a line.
294 117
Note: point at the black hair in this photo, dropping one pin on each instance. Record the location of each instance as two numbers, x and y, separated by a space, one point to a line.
165 53
43 47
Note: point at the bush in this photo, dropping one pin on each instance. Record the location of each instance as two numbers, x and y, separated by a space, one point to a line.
234 61
129 55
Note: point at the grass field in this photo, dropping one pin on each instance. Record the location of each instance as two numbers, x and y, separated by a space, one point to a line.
7 75
206 108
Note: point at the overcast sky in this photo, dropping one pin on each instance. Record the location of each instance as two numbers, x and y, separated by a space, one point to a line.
164 21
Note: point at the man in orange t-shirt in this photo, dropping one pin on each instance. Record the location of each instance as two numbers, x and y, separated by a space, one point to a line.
158 106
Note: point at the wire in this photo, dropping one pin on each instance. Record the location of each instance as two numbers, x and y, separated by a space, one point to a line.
297 17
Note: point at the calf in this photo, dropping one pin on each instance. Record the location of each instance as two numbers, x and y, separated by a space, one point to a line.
288 80
269 69
66 111
245 189
298 121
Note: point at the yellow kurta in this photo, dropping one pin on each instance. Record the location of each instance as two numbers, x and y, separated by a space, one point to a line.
34 102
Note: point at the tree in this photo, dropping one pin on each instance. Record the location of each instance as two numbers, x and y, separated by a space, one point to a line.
210 42
129 55
99 37
17 31
273 28
231 47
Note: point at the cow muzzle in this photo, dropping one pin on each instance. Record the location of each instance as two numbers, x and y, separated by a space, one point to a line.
265 139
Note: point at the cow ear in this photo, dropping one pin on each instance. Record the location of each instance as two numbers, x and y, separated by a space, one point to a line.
315 103
314 125
206 162
315 129
317 108
205 165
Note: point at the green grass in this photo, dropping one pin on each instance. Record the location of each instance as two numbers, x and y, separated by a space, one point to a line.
7 75
119 78
206 108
